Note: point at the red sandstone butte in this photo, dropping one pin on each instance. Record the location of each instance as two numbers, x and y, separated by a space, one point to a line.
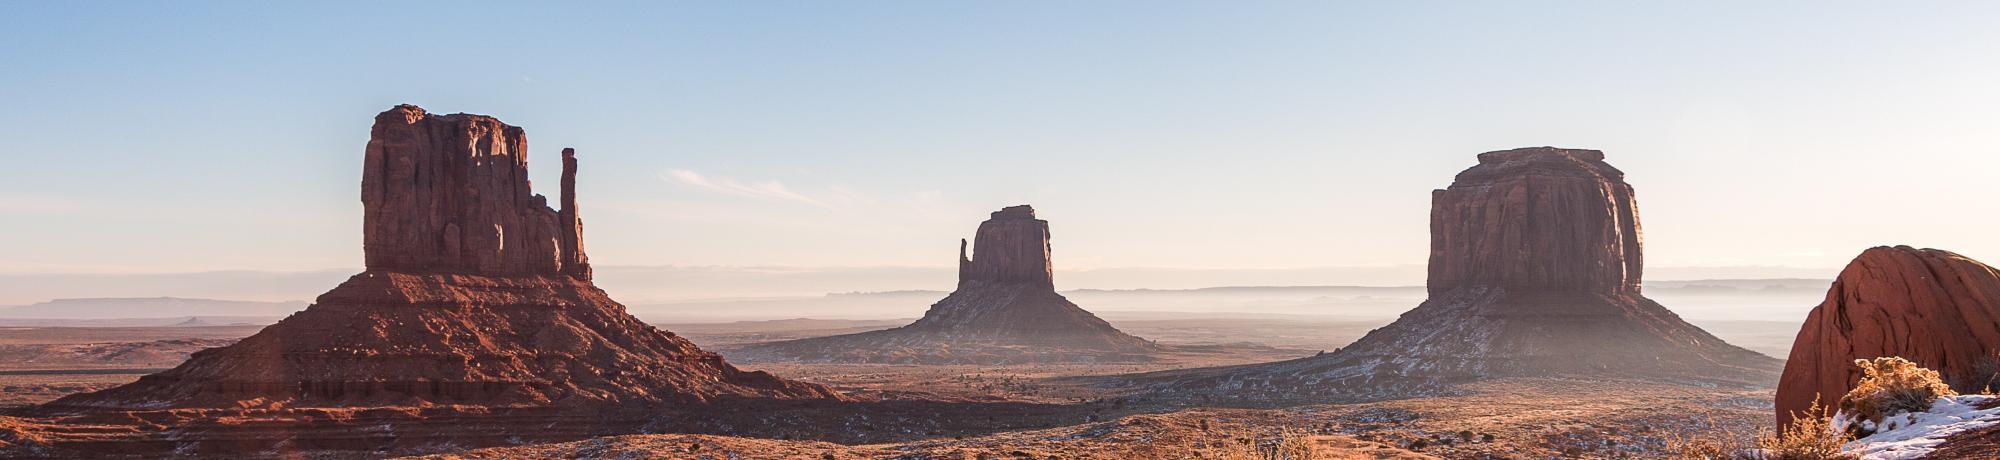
1005 310
1933 307
451 193
1534 270
476 293
476 322
1538 219
1013 248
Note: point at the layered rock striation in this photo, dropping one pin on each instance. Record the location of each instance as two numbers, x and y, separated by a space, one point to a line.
477 307
1534 270
1542 219
1933 307
1004 310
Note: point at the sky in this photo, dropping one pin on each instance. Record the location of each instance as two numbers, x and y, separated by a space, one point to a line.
189 136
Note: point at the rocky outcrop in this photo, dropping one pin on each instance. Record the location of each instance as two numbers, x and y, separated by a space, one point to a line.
1005 310
1534 270
1935 308
476 313
451 193
450 312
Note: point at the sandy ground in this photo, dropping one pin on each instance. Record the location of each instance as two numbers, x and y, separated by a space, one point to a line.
1519 418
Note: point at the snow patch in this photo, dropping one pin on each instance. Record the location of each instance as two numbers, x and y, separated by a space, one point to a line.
1915 434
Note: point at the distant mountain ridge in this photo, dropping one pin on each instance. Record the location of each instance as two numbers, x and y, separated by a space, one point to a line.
1382 301
653 284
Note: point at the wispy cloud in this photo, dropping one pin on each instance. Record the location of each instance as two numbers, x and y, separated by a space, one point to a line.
768 190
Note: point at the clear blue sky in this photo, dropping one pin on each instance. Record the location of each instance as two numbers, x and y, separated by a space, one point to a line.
172 136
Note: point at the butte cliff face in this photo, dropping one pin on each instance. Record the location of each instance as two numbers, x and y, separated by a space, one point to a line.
1013 248
1004 310
1536 220
1534 270
450 193
1936 308
477 298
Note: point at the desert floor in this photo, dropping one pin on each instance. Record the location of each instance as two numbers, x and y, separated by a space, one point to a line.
1515 418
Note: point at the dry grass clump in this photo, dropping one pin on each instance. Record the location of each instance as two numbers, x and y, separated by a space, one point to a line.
1890 386
1810 437
1286 445
1719 443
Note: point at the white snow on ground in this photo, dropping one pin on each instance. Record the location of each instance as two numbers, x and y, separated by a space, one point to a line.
1912 435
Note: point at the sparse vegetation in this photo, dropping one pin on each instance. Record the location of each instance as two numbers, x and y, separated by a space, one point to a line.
1707 445
1810 437
1285 445
1890 386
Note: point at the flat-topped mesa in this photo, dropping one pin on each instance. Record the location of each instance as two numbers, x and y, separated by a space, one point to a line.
450 193
1534 273
1011 247
1536 219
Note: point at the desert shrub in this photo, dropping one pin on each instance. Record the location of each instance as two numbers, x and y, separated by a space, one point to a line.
1286 445
1810 437
1706 445
1707 439
1889 386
